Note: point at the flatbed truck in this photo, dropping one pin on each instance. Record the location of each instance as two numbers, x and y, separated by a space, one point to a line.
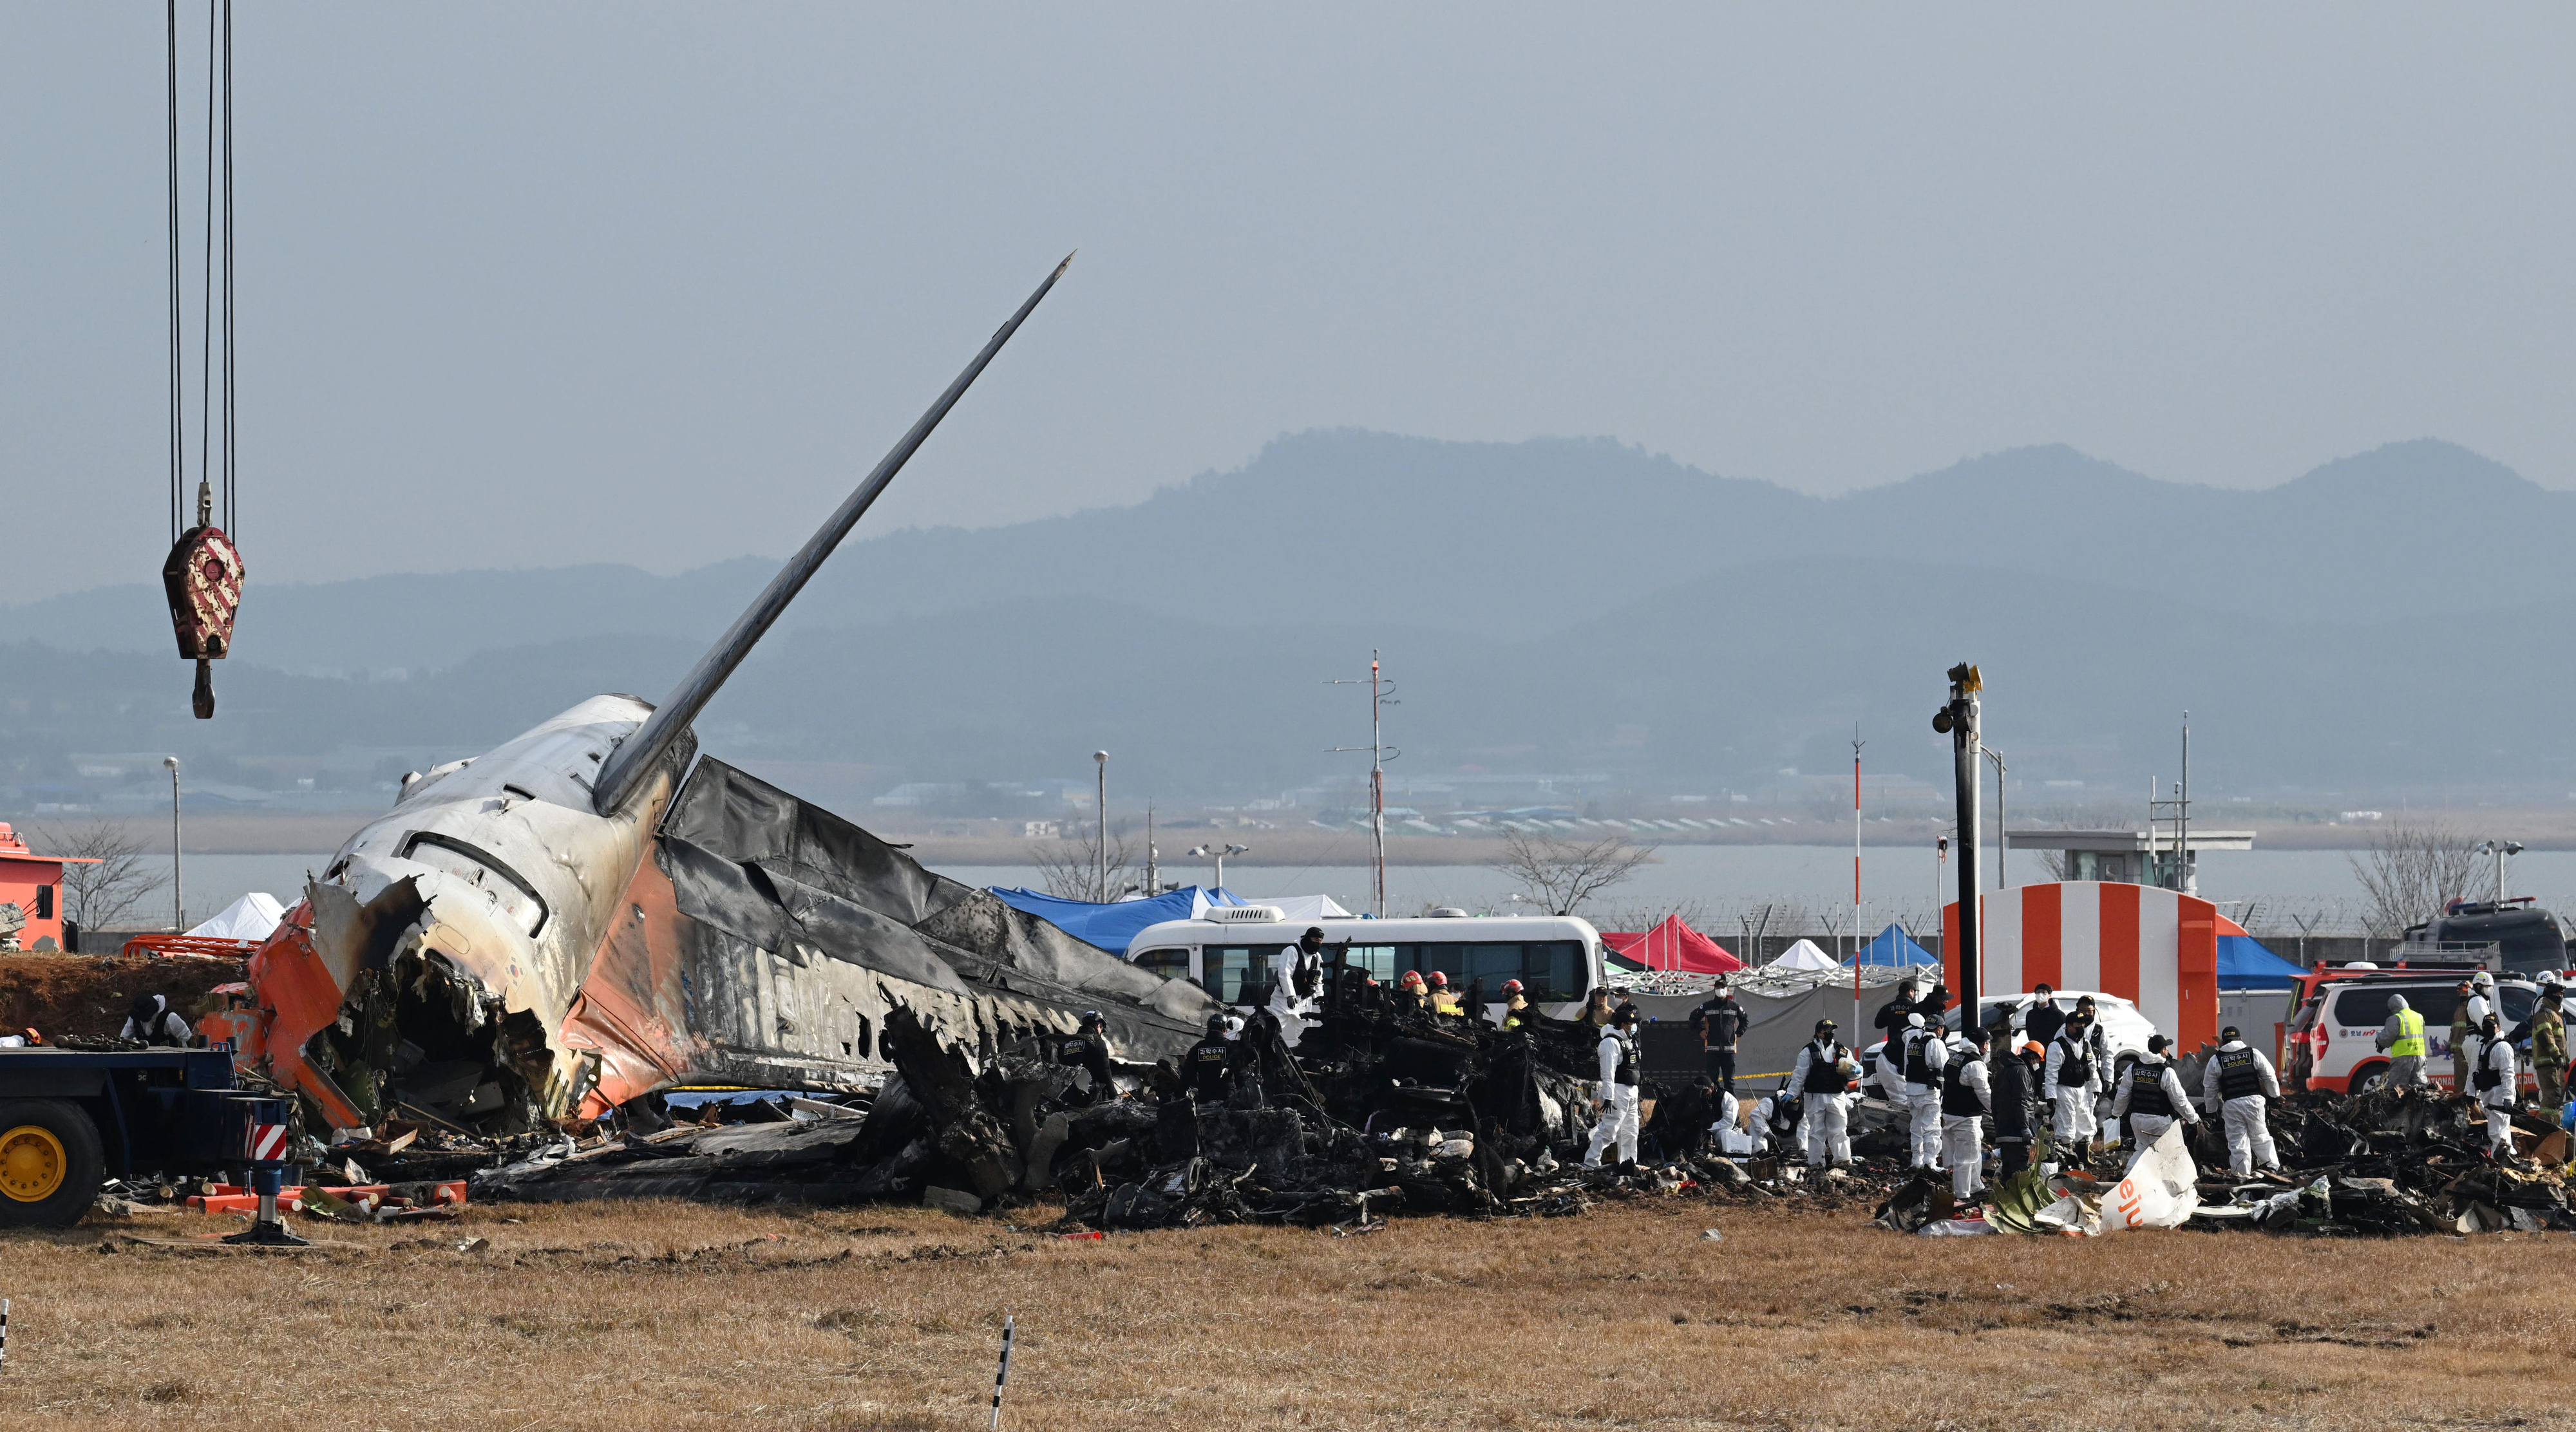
72 1119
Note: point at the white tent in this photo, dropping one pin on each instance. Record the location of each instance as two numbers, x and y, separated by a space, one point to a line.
1801 956
1300 907
252 917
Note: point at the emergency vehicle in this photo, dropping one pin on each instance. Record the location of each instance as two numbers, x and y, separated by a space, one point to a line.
2331 1038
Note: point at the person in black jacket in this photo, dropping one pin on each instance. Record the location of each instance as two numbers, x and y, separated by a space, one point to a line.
2045 1018
1208 1069
1719 1023
2017 1105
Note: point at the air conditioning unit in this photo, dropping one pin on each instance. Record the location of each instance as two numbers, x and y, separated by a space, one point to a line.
1244 914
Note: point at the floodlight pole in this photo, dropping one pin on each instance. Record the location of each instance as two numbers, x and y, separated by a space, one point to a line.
1100 809
1959 721
178 897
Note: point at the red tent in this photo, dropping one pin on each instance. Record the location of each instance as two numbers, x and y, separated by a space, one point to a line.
1672 945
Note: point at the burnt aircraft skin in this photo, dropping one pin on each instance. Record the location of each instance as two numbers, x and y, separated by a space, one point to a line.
527 935
450 936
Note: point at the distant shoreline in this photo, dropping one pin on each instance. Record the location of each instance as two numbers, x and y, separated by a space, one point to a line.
2551 827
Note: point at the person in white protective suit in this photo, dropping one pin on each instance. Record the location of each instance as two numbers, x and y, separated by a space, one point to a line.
1921 1056
1738 1137
2073 1079
1823 1078
2494 1074
2238 1086
1296 980
2150 1095
1966 1099
1619 1075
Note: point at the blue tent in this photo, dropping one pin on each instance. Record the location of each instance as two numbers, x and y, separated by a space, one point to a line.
2243 963
1113 926
1893 949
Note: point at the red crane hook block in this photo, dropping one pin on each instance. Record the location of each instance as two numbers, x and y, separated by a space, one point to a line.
203 579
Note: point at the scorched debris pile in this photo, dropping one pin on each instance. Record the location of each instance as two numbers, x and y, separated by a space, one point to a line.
1378 1110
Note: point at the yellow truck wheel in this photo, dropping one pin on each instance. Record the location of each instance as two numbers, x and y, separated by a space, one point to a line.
50 1163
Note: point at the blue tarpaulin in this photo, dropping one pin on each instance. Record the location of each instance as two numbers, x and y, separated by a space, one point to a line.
1892 948
2243 963
1113 926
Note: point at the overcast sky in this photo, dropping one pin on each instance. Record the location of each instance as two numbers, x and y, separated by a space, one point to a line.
525 285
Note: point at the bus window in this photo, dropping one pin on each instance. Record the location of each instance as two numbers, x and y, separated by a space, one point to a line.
1491 963
1553 970
1170 964
1378 960
1238 974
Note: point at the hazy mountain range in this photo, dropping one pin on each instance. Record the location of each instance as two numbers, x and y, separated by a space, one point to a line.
2386 623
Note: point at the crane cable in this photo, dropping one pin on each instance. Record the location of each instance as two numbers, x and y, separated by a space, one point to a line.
203 574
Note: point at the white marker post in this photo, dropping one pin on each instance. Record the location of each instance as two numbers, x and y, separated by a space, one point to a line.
1001 1375
4 1330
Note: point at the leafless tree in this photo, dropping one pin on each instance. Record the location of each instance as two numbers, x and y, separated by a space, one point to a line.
97 896
2059 863
2409 873
1647 914
1070 868
1560 873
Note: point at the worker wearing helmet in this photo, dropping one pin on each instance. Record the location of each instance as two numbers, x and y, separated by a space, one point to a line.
1207 1070
1087 1049
1620 1076
1823 1079
2402 1039
1518 1012
2238 1085
1443 999
2150 1095
1297 981
2013 1079
1411 994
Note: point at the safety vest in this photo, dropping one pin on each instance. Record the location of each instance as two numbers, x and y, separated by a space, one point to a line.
2237 1076
2147 1090
2075 1065
1917 1071
1626 1071
1825 1069
1957 1099
2409 1042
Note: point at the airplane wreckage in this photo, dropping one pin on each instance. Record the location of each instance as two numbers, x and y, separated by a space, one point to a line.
579 917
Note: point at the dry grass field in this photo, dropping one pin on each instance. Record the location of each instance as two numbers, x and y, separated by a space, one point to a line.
653 1316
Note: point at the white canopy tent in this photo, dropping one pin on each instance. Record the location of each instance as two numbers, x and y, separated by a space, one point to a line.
254 916
1801 956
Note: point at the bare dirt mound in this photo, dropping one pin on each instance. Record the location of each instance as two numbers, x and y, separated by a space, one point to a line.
82 994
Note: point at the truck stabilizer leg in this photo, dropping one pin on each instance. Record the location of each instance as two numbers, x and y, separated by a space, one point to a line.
265 1180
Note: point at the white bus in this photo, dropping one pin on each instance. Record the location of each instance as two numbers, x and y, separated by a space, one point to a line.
1228 953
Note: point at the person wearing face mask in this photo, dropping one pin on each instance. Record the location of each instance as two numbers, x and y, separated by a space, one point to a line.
2238 1086
1823 1077
2074 1078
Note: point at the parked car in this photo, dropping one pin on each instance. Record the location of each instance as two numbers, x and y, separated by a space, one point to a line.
2124 1029
2332 1039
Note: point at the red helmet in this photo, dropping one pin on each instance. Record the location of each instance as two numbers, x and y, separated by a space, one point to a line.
1439 979
1411 977
1511 986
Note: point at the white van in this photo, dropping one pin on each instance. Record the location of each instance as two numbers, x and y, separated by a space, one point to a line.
1228 952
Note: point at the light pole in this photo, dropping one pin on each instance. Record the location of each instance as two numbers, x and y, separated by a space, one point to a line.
1218 853
2003 832
178 898
1100 809
2499 849
1958 720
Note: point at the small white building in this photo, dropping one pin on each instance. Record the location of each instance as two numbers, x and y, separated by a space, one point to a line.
2131 857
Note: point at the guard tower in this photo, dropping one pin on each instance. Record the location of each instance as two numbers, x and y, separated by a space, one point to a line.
2133 857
